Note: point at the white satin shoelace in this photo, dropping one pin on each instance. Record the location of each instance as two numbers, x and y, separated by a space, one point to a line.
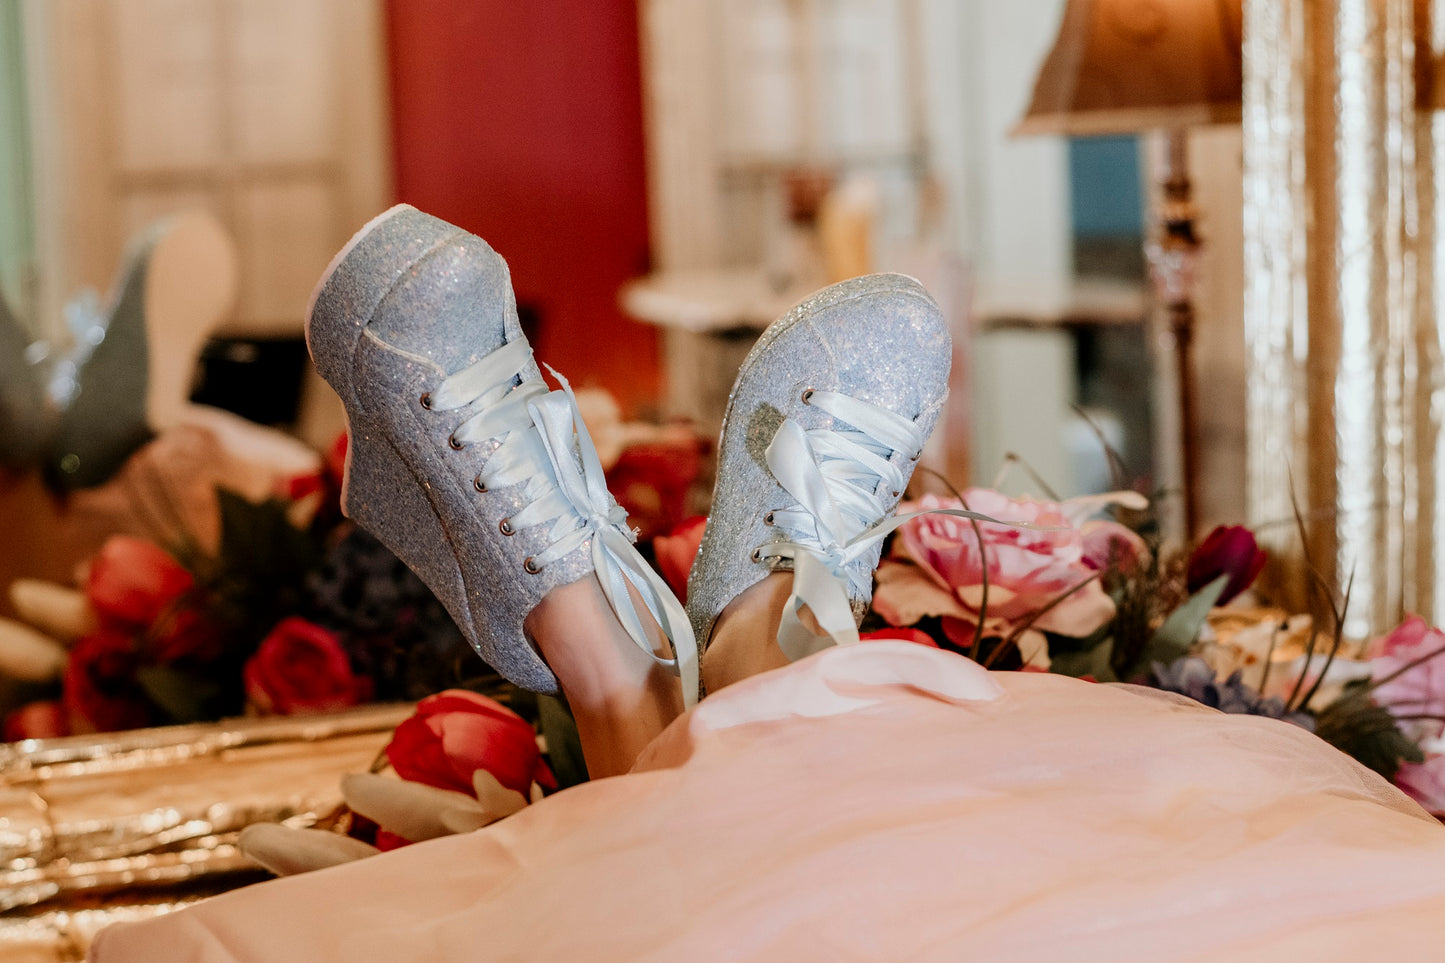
564 485
842 478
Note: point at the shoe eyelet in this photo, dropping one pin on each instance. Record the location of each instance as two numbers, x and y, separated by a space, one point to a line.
757 555
896 494
807 396
479 485
505 527
530 566
426 400
768 519
456 444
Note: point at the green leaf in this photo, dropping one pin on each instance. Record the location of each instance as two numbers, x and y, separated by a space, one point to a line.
1173 639
564 746
1091 662
1358 727
180 695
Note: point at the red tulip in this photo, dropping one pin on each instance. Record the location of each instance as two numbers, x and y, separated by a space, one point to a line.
676 550
36 720
132 580
455 733
900 635
1228 550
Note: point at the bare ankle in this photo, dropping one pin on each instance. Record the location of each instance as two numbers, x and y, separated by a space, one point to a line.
744 637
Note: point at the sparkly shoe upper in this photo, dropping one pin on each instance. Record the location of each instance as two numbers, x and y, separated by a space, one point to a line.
828 416
462 461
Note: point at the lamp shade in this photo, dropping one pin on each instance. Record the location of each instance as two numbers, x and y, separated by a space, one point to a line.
1122 66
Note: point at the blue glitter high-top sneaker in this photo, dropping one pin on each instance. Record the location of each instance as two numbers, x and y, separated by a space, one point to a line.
828 416
461 460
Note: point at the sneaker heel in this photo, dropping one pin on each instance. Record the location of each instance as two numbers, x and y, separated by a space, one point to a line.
383 496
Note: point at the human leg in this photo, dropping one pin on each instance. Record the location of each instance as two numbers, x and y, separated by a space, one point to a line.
486 483
827 419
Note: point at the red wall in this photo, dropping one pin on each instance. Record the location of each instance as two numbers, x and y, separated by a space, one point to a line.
522 122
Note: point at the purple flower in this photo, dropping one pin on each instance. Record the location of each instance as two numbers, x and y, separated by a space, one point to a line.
1191 676
1228 550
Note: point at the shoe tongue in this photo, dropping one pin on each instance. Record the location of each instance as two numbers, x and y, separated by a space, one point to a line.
453 307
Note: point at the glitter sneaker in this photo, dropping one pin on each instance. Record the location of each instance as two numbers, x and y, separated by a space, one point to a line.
461 460
828 416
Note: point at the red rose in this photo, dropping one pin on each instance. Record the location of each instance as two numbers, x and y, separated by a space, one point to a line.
455 733
132 580
902 635
36 720
676 550
100 690
1228 550
302 668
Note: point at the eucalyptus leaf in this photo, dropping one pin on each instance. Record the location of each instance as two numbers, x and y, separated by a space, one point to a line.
1173 639
1093 662
564 746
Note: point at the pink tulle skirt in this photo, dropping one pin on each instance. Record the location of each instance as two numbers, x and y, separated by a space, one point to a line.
891 801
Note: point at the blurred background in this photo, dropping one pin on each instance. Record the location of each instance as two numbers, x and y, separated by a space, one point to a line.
664 177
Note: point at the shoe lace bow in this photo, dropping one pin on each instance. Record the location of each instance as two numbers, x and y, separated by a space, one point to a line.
564 486
842 476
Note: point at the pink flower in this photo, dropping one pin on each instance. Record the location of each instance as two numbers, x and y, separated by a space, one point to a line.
1228 550
302 668
1028 568
1424 782
1418 690
676 550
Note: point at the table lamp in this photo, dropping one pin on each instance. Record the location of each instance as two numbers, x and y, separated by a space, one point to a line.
1128 66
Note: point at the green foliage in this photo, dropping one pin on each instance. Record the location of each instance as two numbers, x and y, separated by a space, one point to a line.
183 696
259 574
564 746
1178 631
1358 727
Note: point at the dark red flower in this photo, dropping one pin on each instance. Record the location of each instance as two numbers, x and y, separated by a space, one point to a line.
100 690
1228 550
676 550
183 633
132 580
455 733
300 668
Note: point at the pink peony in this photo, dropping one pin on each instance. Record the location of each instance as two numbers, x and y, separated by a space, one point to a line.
1419 690
1425 783
1028 568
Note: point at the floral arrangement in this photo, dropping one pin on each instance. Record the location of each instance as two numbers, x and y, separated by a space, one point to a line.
1082 587
295 611
299 611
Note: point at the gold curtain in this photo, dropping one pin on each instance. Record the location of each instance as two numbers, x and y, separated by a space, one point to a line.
1342 297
